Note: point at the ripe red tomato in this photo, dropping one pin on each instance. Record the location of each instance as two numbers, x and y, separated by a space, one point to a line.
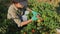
33 30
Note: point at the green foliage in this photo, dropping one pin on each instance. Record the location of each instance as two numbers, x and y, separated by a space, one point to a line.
48 13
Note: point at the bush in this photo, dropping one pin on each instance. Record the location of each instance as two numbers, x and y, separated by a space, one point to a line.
49 15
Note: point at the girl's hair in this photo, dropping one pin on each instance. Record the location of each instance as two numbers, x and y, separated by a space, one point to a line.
14 2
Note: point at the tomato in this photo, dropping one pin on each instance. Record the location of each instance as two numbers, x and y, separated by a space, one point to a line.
25 33
38 21
33 30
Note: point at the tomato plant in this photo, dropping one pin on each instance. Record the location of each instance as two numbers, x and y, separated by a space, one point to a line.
49 15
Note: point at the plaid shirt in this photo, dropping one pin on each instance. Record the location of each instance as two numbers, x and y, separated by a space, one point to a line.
12 14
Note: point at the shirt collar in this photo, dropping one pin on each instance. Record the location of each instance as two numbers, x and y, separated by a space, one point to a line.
15 7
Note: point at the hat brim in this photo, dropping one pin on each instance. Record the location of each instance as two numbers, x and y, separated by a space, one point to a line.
24 3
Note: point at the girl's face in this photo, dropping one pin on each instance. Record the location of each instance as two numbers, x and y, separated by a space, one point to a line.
18 5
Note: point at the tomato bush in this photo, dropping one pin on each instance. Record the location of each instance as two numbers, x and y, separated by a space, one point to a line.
49 15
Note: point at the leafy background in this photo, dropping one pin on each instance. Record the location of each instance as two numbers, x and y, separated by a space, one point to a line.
49 13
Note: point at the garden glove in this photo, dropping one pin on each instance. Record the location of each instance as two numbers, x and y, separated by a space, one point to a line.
34 18
34 13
